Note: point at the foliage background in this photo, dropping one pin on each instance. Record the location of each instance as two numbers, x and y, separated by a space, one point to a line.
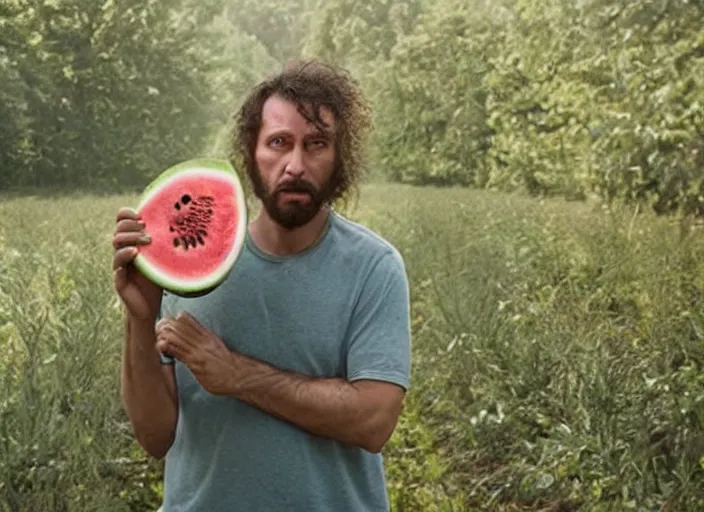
529 160
575 98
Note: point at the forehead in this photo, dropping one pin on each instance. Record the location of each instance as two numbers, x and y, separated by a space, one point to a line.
281 114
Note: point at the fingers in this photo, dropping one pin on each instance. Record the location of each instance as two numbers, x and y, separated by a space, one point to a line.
184 323
129 225
185 339
126 214
190 324
165 347
177 329
129 230
128 221
170 342
130 239
184 330
160 325
124 257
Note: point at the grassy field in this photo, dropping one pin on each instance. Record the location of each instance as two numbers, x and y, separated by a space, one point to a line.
558 356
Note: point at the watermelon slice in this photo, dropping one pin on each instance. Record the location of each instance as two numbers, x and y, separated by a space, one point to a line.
196 215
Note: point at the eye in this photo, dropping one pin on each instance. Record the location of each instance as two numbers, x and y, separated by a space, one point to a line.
319 143
276 141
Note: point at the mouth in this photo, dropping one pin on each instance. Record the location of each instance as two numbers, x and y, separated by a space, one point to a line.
295 195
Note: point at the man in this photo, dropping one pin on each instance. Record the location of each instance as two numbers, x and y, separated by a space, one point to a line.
281 387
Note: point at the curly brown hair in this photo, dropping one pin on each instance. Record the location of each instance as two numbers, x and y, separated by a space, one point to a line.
310 85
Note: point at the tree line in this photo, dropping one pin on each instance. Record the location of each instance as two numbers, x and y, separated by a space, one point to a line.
553 97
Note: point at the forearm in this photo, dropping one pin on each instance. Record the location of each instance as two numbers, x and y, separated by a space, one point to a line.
328 407
148 389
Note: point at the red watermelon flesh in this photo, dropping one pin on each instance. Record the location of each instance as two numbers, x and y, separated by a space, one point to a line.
195 214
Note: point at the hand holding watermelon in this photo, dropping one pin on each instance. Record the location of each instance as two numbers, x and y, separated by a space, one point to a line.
197 217
140 296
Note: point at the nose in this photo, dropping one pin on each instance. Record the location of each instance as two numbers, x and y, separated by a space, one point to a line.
295 166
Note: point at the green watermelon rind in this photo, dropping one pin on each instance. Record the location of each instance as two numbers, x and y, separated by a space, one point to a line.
206 284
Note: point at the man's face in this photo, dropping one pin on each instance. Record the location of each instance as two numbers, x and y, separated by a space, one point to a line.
295 162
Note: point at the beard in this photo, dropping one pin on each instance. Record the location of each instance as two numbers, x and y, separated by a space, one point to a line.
291 214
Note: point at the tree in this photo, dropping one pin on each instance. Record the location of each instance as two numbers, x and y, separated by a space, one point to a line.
104 89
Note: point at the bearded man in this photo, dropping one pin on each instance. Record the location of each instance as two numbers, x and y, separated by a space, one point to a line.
278 390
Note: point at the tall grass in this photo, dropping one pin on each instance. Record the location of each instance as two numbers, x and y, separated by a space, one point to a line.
558 350
557 357
64 441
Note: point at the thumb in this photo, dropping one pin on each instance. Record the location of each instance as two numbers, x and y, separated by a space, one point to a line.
160 325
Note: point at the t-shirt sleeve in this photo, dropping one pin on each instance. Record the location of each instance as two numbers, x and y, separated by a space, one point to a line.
379 343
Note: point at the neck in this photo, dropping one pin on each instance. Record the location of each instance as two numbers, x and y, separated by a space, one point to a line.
274 239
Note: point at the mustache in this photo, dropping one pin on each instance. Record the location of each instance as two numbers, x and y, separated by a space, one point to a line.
298 186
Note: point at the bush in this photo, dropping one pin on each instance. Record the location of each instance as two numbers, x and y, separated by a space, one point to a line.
561 351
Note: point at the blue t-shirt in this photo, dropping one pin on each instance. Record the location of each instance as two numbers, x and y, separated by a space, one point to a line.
337 309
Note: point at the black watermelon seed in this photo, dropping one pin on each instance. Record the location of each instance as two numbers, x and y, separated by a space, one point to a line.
177 206
186 199
200 240
176 242
192 239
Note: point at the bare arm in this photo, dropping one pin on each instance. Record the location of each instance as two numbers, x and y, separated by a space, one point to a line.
148 389
362 413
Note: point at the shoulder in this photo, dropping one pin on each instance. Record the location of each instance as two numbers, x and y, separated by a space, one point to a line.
361 242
